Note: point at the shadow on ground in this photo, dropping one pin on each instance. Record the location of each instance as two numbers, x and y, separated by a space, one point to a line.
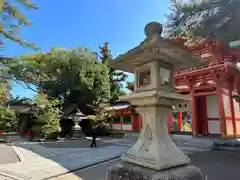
90 163
218 165
83 143
45 160
215 164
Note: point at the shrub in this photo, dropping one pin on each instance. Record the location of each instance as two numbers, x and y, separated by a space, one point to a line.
8 120
53 135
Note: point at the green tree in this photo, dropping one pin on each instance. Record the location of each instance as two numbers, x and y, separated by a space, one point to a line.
11 19
73 76
115 77
208 19
8 119
45 115
101 115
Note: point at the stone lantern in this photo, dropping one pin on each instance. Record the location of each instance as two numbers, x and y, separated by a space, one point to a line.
79 116
153 63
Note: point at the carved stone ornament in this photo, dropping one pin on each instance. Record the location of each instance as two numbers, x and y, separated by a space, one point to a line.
147 139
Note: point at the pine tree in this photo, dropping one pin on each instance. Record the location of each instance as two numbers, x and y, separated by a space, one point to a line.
208 19
115 77
12 19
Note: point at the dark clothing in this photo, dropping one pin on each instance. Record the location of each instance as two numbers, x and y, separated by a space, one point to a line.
89 130
94 144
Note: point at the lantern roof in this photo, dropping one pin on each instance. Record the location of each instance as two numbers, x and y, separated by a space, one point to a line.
155 47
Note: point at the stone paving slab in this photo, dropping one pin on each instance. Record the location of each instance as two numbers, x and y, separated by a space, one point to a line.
28 152
7 155
70 176
41 168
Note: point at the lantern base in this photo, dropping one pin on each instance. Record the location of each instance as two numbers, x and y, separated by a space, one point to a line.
123 171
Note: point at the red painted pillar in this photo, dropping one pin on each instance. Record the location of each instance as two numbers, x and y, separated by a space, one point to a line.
133 122
179 121
191 83
221 111
204 114
121 121
137 123
230 89
194 113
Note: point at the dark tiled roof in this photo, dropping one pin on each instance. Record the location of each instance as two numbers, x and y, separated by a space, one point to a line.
234 43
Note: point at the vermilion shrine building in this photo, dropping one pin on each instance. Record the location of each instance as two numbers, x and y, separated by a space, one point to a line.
213 86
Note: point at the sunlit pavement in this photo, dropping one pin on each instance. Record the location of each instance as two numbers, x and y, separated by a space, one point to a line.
187 144
7 154
42 160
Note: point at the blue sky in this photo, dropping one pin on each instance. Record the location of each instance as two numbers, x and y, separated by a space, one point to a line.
87 23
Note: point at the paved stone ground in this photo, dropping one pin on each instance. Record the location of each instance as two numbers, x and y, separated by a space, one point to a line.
188 144
42 160
7 154
218 165
83 143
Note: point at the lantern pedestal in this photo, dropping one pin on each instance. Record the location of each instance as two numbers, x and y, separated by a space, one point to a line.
127 171
154 149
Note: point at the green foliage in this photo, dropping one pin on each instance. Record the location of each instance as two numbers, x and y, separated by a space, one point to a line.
3 97
115 77
74 76
102 116
12 19
8 119
208 19
5 83
46 115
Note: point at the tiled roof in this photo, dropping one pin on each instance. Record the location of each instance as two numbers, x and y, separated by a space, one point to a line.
234 43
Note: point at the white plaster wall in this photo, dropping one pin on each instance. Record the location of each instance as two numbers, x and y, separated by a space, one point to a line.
226 105
236 108
127 127
238 127
116 126
212 112
236 112
212 106
229 127
214 127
